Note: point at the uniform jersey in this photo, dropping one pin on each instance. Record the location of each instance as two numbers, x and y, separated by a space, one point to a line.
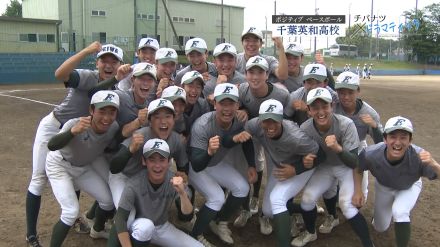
241 63
128 108
183 125
77 102
400 176
148 202
209 87
361 108
175 142
178 80
252 103
288 149
292 83
85 147
344 130
206 127
300 117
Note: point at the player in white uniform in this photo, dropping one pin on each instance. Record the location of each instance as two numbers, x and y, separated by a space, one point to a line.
370 68
338 137
68 166
358 70
150 193
364 71
76 104
397 166
212 136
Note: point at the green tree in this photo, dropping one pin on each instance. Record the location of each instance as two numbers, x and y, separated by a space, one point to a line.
13 9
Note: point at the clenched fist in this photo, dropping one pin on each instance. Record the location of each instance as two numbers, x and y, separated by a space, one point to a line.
241 137
123 71
137 141
83 124
308 160
214 145
333 144
368 120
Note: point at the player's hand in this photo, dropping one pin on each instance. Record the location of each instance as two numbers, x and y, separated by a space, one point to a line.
214 145
163 83
252 175
278 41
426 158
299 105
241 115
358 199
183 176
242 137
222 79
83 124
205 76
137 140
143 116
308 160
333 144
123 71
285 171
368 120
210 99
93 48
178 184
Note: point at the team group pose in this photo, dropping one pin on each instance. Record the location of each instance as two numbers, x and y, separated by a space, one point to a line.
141 138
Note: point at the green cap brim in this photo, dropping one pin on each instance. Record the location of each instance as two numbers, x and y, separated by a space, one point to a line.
175 97
192 79
345 85
140 73
200 50
389 130
294 53
257 65
159 151
225 52
104 104
166 60
309 102
273 116
314 76
226 96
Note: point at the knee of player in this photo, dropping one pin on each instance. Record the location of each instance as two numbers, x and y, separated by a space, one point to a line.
241 189
142 229
216 202
69 215
400 215
308 199
348 209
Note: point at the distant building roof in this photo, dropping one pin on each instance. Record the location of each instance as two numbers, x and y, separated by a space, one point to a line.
213 3
18 19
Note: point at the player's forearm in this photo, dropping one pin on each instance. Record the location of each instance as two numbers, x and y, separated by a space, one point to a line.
377 135
185 204
199 159
124 239
129 128
282 72
103 85
357 178
120 160
63 72
249 152
121 218
60 140
349 158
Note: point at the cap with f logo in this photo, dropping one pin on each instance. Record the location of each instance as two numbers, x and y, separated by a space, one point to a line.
348 80
316 71
294 49
156 145
271 109
398 123
148 42
226 91
196 44
164 55
252 31
319 93
105 98
190 76
144 68
257 61
225 48
173 93
158 104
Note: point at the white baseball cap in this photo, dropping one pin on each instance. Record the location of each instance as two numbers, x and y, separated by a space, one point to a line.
316 71
225 48
190 76
173 93
257 61
159 104
111 49
252 30
148 42
271 109
156 145
196 44
398 123
144 68
164 55
319 93
226 91
347 80
294 49
105 98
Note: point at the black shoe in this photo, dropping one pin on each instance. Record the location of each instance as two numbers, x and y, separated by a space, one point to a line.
33 241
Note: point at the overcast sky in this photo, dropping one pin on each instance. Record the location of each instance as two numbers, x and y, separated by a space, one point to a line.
256 10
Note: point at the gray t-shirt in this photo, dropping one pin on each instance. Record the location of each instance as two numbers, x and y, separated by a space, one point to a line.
293 144
76 103
209 87
400 176
252 103
84 148
149 203
292 83
178 80
344 130
200 107
300 117
206 127
362 128
128 108
175 142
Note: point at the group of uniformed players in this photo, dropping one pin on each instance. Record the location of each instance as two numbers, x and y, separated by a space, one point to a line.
121 128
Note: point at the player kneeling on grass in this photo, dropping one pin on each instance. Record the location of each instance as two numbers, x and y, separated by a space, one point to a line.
398 166
338 137
68 165
151 193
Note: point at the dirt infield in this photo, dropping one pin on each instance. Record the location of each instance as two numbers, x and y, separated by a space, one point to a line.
415 97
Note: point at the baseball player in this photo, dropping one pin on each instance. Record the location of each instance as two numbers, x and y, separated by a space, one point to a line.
150 193
177 96
166 63
225 60
358 70
294 55
286 146
331 69
338 137
145 53
252 93
349 67
346 68
196 52
212 136
252 41
364 71
369 70
68 165
397 165
76 104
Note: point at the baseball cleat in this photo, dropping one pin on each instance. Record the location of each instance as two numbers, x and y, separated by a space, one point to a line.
243 218
265 226
253 205
328 225
204 241
97 235
222 231
33 241
304 238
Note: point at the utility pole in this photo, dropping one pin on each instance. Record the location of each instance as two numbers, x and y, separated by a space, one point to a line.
371 31
221 36
316 13
274 12
71 44
134 25
155 20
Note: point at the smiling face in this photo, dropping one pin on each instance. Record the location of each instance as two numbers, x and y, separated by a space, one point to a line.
347 98
225 111
162 123
103 118
293 62
179 107
165 70
397 143
197 60
193 91
272 129
321 112
225 64
256 77
251 45
312 83
146 54
142 86
157 167
107 66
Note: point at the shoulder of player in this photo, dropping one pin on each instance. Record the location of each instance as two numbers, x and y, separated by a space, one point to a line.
181 72
298 94
204 120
